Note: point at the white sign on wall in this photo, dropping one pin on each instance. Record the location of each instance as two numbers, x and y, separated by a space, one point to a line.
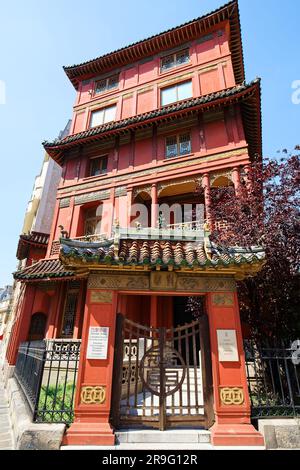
227 346
97 342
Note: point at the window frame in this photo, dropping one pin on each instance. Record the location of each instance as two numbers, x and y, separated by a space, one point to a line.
175 60
177 136
176 85
101 109
106 89
90 220
92 160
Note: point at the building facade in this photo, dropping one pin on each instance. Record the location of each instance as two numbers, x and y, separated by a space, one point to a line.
5 305
156 125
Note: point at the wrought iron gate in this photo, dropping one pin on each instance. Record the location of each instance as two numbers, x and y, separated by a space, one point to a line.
162 376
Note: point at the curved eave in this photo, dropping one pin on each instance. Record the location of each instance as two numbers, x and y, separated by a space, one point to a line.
24 245
44 270
248 94
165 40
239 271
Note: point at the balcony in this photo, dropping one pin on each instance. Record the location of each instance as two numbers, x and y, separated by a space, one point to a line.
188 231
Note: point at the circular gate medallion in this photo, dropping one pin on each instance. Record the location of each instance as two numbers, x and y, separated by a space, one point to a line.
162 371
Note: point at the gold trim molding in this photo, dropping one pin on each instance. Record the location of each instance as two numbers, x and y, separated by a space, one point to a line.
158 169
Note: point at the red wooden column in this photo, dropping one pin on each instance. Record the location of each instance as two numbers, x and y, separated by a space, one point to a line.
153 311
154 205
129 204
93 390
236 180
207 197
231 399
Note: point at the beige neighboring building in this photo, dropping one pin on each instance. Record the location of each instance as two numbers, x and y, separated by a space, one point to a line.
5 305
35 231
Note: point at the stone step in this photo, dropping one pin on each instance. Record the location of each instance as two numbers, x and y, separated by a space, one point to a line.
5 434
4 422
6 443
165 446
4 429
143 446
178 436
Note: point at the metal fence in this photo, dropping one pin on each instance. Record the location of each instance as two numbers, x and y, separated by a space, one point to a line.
273 380
47 371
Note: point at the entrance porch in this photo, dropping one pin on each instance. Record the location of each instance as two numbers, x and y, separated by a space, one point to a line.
162 372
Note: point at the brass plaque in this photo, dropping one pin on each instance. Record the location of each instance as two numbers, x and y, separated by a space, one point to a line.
93 395
101 297
223 300
232 395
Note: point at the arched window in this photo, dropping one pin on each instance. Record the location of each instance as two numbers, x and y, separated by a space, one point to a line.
37 327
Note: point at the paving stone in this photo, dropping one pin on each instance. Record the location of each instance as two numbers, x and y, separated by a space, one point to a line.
6 435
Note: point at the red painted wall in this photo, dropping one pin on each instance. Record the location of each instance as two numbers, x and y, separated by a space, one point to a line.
206 55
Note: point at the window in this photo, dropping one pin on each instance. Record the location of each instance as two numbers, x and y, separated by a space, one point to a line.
98 166
69 313
180 91
101 116
37 327
177 145
106 84
92 221
174 60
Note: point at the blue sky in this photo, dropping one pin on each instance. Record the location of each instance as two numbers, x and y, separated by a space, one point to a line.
38 37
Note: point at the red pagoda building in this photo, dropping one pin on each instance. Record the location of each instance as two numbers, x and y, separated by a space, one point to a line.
151 123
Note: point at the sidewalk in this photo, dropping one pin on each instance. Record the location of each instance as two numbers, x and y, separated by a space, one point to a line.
6 435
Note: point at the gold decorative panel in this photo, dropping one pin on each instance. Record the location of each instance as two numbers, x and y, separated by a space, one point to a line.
101 297
168 280
205 284
93 395
232 396
160 280
116 281
223 300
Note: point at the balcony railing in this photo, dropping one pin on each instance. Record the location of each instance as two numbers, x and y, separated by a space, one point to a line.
96 237
187 226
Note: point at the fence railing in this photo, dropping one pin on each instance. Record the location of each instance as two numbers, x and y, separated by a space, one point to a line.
273 380
47 371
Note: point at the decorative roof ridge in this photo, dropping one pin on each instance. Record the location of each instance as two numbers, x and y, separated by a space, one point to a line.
160 254
209 246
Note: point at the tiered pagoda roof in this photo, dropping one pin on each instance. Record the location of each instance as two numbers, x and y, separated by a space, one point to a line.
246 94
165 40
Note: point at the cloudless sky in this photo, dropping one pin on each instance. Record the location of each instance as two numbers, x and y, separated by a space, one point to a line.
38 37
